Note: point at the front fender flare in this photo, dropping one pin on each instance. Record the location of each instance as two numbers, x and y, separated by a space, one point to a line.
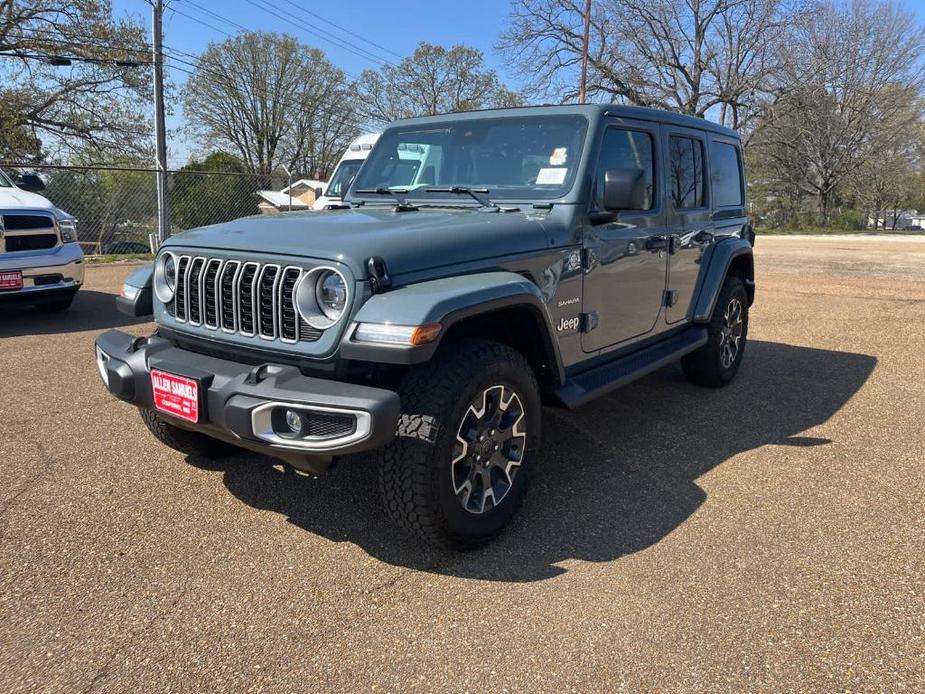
141 305
447 301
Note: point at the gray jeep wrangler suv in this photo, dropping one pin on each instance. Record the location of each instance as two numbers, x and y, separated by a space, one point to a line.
483 264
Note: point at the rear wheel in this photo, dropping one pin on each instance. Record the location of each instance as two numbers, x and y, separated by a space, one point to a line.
456 472
187 442
717 362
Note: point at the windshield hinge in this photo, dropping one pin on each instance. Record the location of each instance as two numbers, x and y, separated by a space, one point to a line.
379 279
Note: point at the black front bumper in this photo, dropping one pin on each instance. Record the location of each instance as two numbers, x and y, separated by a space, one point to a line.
232 395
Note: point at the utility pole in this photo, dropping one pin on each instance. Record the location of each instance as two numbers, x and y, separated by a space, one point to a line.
160 139
582 88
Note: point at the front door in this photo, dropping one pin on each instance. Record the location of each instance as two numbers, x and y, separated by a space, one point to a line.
689 215
626 257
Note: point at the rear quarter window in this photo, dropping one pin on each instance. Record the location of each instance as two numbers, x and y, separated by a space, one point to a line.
726 174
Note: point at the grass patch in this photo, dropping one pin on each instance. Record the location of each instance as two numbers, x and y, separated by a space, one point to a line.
102 259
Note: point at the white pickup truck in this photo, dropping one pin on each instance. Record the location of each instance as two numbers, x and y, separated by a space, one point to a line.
41 263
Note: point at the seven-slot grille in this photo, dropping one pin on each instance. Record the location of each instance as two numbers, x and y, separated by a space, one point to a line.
246 298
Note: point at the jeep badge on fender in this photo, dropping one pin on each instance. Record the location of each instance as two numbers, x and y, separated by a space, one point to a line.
482 265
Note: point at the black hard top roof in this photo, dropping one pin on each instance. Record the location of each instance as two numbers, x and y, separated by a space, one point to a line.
592 111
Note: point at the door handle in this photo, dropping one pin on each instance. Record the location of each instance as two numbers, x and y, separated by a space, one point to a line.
703 237
668 243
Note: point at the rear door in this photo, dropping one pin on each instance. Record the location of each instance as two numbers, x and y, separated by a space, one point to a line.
625 258
689 215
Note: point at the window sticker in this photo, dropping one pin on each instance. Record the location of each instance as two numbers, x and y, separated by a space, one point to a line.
551 177
559 156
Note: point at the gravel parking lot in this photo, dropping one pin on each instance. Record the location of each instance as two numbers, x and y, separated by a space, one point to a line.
768 536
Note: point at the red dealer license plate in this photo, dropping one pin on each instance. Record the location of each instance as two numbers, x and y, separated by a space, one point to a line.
176 395
11 280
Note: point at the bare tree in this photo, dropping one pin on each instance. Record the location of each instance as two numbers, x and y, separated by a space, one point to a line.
324 126
92 105
891 180
433 80
854 76
700 57
271 100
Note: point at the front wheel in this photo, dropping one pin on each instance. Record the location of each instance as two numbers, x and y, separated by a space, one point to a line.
456 472
717 362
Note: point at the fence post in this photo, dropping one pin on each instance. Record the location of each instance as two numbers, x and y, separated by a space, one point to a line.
160 141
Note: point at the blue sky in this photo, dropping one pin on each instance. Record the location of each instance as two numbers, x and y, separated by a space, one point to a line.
395 26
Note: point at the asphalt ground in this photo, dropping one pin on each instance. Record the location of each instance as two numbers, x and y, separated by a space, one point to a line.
766 536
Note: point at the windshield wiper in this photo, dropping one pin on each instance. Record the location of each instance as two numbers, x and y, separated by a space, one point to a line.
480 195
403 204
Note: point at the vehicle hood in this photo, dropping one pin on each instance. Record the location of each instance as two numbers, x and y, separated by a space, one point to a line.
408 241
14 198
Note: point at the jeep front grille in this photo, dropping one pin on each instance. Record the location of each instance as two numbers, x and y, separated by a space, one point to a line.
245 298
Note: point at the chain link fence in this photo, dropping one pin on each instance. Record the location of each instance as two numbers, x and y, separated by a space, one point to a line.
116 207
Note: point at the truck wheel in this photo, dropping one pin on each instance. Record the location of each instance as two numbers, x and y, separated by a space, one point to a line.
187 442
716 363
455 474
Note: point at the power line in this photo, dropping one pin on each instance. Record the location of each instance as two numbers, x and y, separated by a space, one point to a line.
279 12
168 51
64 60
344 29
79 41
204 23
210 13
322 107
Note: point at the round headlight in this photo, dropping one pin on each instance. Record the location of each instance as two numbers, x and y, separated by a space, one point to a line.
165 277
332 295
321 297
170 272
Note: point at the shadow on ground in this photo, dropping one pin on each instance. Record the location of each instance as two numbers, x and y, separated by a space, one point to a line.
611 479
91 310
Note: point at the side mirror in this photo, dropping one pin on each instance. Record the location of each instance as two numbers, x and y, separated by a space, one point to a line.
625 189
31 183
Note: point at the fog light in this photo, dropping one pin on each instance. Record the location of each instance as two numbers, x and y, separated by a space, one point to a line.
294 422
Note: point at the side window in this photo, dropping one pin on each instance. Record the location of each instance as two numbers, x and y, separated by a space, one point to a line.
686 182
726 174
627 149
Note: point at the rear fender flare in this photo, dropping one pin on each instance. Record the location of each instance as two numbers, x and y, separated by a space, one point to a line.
720 259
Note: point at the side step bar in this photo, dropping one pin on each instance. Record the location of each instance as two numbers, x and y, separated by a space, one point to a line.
602 379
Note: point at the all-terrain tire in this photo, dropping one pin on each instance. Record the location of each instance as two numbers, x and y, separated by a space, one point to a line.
416 470
712 365
187 442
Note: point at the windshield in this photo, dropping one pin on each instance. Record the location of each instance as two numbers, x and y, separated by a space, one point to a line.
524 158
4 181
347 170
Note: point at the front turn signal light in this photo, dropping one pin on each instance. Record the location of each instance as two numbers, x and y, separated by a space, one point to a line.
388 334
